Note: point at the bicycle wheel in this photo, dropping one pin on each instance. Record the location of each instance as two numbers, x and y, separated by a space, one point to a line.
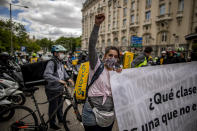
24 119
72 119
5 113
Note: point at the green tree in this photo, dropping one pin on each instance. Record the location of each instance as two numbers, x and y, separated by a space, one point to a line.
45 43
21 38
33 47
70 43
19 35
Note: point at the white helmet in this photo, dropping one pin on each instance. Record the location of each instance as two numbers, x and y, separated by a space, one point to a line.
163 52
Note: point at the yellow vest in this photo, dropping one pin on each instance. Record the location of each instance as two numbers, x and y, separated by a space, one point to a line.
33 60
161 61
143 63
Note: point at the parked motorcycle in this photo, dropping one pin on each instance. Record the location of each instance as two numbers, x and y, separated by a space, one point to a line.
12 92
5 113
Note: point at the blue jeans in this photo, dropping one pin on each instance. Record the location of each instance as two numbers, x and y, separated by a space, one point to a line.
53 105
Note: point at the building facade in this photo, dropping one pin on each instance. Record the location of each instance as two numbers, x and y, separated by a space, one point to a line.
161 23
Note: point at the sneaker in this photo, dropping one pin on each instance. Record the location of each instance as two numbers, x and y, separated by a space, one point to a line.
54 127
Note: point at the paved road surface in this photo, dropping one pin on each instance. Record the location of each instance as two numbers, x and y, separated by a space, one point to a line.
41 97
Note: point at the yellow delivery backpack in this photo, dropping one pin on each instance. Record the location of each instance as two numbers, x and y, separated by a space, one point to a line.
82 81
33 60
128 58
81 86
74 62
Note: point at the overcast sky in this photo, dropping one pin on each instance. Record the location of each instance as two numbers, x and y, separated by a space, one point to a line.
46 18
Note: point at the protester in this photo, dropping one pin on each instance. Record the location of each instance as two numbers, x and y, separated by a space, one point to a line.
182 58
56 81
171 58
98 111
34 58
155 61
142 60
162 59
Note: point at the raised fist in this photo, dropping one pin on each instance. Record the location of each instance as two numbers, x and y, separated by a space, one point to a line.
99 19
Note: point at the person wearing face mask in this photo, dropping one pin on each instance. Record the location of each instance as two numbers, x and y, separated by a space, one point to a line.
56 82
143 59
98 110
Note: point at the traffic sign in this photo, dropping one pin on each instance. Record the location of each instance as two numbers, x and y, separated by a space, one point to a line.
23 48
136 41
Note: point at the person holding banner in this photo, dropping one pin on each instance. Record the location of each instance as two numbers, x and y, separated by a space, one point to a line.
142 60
98 110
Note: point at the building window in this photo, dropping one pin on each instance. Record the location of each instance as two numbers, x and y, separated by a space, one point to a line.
132 18
114 14
162 9
109 26
163 49
125 12
103 43
109 18
163 36
125 2
124 22
132 5
124 40
148 3
147 38
115 41
147 17
181 5
114 23
108 42
109 9
169 8
137 18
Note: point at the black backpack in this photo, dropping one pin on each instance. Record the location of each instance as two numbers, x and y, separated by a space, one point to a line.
33 73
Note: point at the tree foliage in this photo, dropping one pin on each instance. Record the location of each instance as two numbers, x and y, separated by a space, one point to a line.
69 43
21 38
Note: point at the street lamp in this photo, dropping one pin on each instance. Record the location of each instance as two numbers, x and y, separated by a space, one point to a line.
11 44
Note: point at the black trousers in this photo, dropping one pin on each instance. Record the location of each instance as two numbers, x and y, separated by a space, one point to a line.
98 128
53 105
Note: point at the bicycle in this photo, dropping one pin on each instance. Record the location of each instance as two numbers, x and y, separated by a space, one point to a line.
26 119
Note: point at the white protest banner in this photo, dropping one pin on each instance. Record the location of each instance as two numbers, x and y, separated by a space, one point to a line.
156 98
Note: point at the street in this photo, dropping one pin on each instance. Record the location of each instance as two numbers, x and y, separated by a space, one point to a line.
41 97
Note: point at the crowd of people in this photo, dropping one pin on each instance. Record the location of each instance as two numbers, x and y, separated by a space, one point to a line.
167 57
